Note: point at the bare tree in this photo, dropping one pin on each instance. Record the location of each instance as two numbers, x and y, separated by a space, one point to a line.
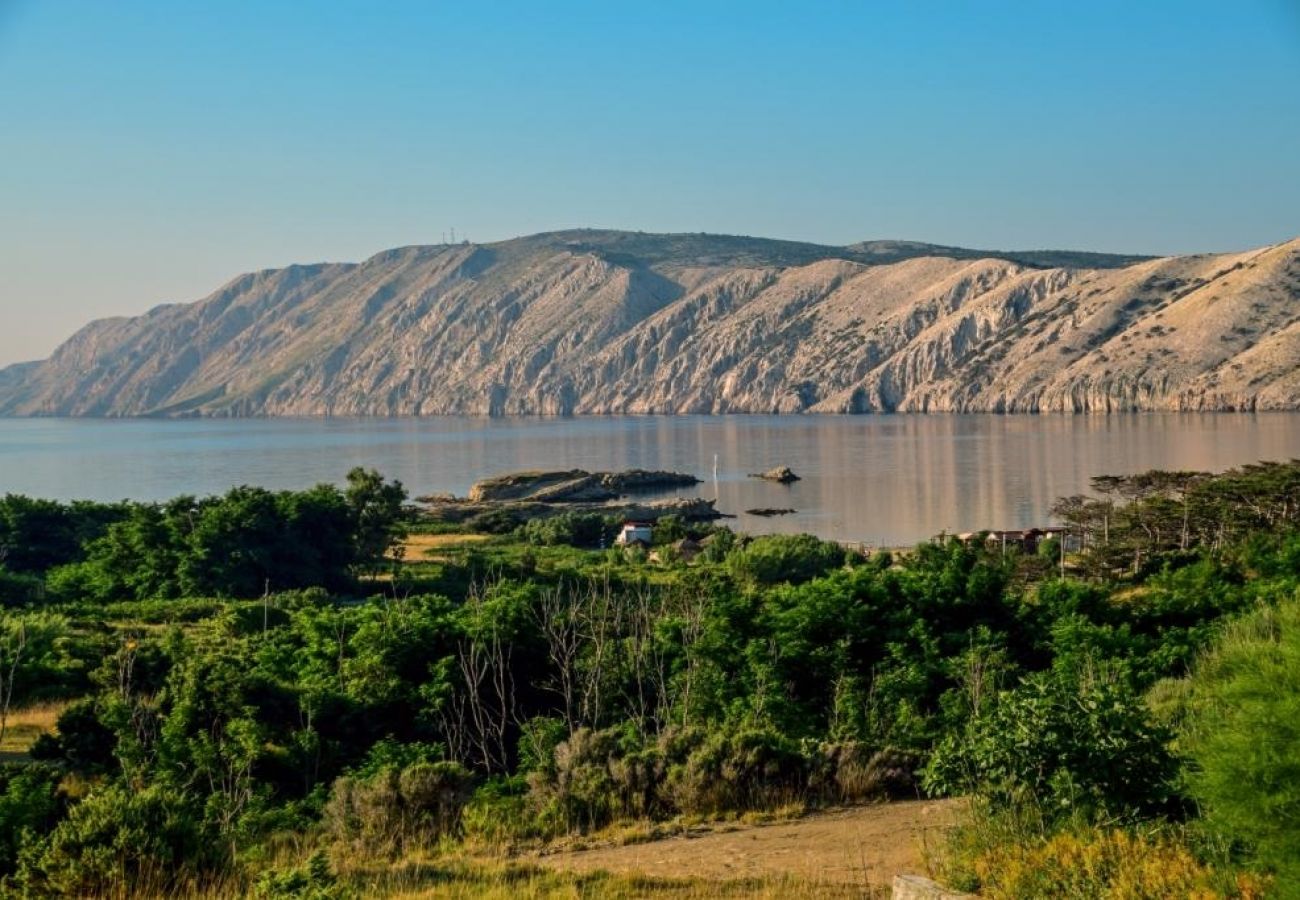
691 609
558 624
596 611
13 644
647 695
489 708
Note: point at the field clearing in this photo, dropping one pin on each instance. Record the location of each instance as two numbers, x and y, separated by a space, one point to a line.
418 547
861 847
25 725
474 879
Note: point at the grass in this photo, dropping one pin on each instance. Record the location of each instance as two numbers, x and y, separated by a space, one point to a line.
1005 854
430 546
26 725
641 831
494 880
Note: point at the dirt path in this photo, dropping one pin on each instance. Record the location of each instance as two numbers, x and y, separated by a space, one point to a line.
864 845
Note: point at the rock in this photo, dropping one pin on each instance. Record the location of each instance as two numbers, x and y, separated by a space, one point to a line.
575 485
635 480
768 511
693 509
438 498
781 474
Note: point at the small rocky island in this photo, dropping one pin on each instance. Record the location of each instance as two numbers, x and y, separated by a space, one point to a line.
541 494
780 474
576 485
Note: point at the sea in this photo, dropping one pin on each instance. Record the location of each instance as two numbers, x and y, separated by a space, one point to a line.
888 480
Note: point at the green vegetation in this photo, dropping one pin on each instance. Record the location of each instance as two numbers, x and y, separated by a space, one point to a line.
273 693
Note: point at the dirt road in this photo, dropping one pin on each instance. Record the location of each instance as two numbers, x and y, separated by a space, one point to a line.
865 845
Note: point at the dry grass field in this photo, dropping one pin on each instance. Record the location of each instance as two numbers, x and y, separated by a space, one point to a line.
430 547
24 726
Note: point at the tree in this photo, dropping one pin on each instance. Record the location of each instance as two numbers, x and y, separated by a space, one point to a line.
379 513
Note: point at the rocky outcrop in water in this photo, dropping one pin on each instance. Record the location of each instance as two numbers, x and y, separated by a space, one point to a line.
575 485
520 496
457 511
779 474
615 322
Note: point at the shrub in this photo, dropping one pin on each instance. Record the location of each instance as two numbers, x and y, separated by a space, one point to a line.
393 809
313 880
735 770
1104 863
494 521
1242 737
597 777
29 806
433 794
501 812
851 772
778 557
1075 740
83 742
579 786
119 839
574 529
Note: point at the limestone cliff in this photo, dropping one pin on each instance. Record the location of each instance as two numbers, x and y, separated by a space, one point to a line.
616 322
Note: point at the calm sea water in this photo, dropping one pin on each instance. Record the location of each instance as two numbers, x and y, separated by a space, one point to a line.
877 479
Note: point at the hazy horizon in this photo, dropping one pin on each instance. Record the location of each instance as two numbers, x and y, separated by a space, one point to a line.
153 153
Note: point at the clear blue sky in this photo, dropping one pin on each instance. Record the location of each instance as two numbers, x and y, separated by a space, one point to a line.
151 150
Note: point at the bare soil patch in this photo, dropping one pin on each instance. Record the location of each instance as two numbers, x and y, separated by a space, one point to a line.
864 846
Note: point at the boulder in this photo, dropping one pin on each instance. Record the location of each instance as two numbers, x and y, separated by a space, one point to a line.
781 474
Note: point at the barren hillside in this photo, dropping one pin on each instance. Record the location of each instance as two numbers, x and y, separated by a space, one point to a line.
616 322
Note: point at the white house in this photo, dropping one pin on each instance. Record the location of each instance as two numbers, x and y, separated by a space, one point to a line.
635 533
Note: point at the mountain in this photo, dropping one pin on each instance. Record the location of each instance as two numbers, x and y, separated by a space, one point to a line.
619 322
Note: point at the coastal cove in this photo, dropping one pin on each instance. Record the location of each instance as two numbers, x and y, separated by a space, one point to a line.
880 480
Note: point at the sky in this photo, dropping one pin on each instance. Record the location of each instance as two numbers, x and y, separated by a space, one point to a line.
150 151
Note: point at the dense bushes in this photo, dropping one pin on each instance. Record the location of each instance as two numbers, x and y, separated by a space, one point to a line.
29 807
794 558
596 777
118 837
1242 736
1072 739
571 529
745 768
851 772
392 809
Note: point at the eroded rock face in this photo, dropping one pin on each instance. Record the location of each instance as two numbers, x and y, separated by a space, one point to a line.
612 322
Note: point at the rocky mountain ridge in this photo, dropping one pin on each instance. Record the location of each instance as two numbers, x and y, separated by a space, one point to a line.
619 322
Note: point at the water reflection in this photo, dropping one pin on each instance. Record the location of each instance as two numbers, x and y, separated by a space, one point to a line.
880 480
